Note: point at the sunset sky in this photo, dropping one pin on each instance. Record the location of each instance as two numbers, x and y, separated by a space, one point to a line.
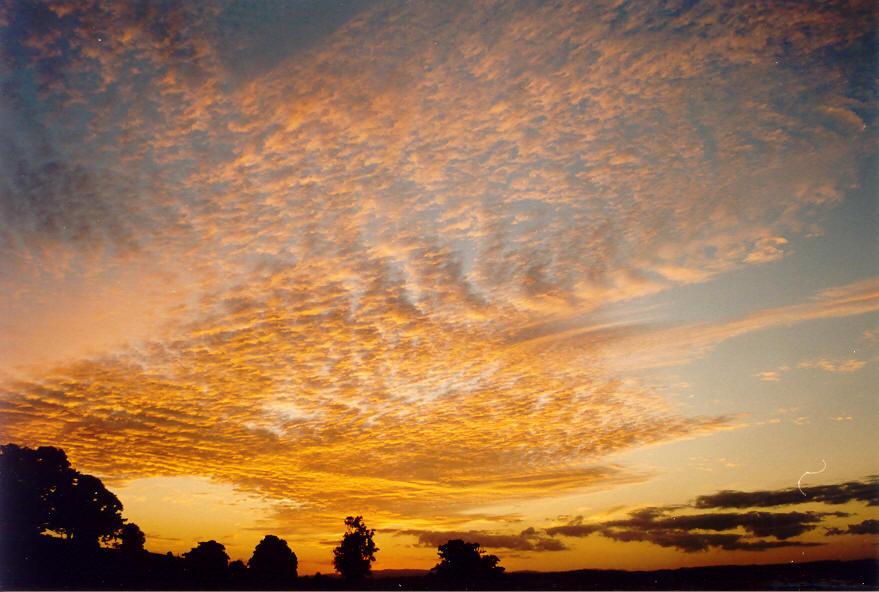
594 284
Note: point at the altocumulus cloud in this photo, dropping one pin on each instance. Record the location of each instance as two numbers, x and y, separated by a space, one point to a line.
360 242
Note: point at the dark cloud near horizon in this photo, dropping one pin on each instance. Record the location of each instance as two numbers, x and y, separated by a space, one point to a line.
660 526
781 525
665 527
527 540
866 527
693 542
861 491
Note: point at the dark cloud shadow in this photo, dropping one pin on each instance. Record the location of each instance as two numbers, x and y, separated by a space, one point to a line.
866 527
527 540
667 526
852 491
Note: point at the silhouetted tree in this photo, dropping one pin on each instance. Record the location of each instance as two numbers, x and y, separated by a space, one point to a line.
464 565
273 563
207 562
131 539
354 556
238 574
27 479
84 510
40 492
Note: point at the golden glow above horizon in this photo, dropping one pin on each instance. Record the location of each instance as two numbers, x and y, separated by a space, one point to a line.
431 260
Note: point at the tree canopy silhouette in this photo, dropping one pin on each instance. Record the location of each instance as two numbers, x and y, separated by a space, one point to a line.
238 575
41 492
273 563
131 539
27 480
207 561
464 564
354 556
84 510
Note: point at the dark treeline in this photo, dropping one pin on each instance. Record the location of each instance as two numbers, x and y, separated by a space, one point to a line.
61 529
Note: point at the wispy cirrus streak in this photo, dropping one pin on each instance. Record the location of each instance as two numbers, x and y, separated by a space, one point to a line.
669 346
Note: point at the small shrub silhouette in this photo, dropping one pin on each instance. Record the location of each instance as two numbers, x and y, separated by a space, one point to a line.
464 565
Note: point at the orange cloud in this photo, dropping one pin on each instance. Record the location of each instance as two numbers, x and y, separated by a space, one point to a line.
846 366
823 364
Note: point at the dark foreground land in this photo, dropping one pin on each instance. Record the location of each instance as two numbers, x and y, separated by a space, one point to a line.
818 575
55 564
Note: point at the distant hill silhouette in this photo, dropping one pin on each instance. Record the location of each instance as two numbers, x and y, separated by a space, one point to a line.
818 575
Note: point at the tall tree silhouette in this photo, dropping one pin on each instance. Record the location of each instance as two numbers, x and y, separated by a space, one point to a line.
27 480
40 491
354 556
273 563
465 565
84 510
